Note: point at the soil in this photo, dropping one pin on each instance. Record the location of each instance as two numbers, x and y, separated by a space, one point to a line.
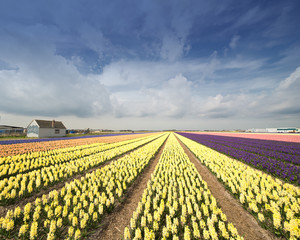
113 224
244 222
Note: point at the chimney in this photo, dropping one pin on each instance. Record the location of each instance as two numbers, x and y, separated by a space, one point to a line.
53 123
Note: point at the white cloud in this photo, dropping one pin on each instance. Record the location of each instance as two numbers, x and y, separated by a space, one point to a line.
233 42
280 102
44 83
294 77
172 47
172 99
36 81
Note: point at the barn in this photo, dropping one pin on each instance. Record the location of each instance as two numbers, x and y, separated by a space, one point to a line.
11 130
45 128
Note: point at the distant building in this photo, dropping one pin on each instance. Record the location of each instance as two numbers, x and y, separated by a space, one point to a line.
275 130
288 130
11 130
271 130
44 128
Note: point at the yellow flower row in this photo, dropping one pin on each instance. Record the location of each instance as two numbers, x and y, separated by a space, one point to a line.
177 203
275 204
81 203
12 165
23 184
42 154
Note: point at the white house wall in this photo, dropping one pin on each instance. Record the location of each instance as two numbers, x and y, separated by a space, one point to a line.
50 132
33 129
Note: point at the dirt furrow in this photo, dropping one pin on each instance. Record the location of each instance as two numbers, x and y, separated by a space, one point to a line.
245 223
113 224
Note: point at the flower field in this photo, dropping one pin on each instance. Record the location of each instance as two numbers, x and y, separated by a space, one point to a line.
287 137
274 203
69 189
177 203
15 147
80 204
281 159
22 178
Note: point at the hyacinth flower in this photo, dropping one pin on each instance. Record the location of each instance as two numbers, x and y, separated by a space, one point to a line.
81 203
177 203
286 167
274 203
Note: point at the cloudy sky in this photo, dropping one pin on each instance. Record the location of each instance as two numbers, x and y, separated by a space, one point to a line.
151 64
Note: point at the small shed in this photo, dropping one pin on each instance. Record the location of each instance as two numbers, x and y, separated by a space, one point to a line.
11 130
45 128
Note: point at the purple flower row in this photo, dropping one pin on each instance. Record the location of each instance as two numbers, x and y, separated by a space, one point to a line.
268 151
278 146
284 170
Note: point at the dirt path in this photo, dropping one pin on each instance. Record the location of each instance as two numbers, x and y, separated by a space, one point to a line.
113 225
245 223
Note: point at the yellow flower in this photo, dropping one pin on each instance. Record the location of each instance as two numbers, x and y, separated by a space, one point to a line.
17 212
138 234
59 222
100 209
242 198
23 230
77 234
206 234
57 211
174 229
155 226
9 224
276 220
70 231
294 228
95 216
36 214
261 217
165 232
183 220
74 221
83 223
143 221
232 229
50 236
202 224
127 233
46 223
65 211
27 211
52 226
175 237
149 218
33 230
223 217
196 231
9 214
187 233
107 203
132 223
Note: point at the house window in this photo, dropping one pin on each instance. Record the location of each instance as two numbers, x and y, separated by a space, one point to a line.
56 131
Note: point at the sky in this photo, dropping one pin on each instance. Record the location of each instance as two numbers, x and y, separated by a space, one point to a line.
151 65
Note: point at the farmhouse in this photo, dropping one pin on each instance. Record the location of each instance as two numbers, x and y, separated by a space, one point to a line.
44 128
